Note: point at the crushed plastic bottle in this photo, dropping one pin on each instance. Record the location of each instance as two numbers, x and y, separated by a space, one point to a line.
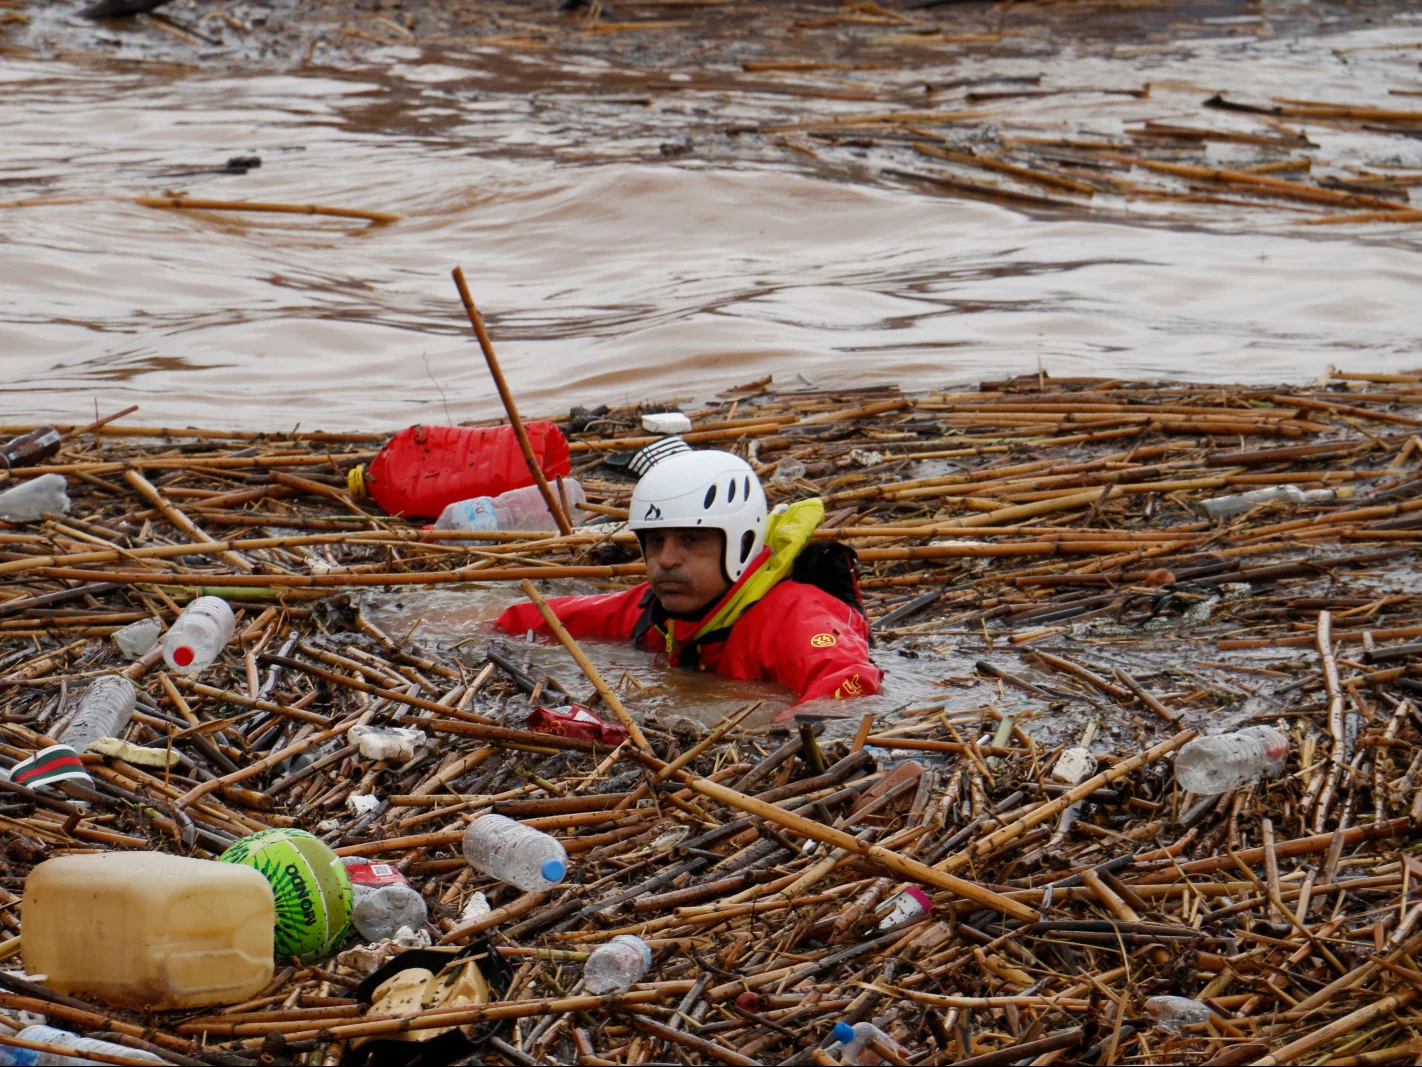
908 903
199 634
383 900
137 637
31 447
1219 763
518 509
424 469
855 1040
514 853
617 965
104 711
788 471
1224 507
49 1035
1074 765
28 501
1174 1013
392 743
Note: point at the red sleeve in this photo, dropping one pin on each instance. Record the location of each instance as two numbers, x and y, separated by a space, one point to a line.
606 615
815 643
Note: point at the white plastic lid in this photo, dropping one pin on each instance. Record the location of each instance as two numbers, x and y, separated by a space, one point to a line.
553 870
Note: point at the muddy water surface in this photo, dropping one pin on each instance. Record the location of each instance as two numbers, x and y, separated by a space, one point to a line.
611 267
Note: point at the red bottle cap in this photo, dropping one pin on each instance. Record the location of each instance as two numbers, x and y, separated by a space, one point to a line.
182 655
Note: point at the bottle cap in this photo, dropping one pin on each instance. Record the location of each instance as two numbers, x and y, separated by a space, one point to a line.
843 1033
355 480
183 655
553 870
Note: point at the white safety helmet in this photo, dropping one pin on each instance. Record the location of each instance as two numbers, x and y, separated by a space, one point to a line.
712 490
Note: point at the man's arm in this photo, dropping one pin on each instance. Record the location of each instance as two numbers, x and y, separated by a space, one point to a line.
606 615
816 644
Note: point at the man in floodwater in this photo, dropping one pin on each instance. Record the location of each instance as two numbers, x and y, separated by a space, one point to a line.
730 587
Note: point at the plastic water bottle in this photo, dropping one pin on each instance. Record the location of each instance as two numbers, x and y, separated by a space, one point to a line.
518 509
856 1038
104 711
514 853
1223 507
617 965
382 900
49 1035
1217 764
137 637
1175 1013
199 635
28 501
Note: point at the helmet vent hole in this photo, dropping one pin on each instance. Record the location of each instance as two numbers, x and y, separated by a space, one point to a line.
730 492
747 543
747 496
710 497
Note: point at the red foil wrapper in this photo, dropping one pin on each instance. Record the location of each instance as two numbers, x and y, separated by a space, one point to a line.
576 721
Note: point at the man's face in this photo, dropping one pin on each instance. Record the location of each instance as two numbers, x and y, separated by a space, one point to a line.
684 567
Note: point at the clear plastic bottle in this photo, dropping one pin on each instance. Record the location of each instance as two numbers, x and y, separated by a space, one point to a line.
137 637
856 1038
104 711
514 853
49 1035
1217 764
1174 1013
199 634
382 900
1223 507
617 965
518 509
28 501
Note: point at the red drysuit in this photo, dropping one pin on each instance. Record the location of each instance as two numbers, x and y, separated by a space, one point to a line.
797 635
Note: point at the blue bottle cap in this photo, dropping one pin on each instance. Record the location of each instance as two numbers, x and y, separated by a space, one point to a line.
553 870
843 1033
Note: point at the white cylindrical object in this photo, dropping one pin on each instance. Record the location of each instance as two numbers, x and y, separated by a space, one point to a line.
28 501
49 1035
1224 507
1217 764
514 853
476 513
199 635
104 711
1174 1013
855 1040
137 637
617 965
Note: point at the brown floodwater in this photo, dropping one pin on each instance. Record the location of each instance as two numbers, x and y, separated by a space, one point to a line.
611 270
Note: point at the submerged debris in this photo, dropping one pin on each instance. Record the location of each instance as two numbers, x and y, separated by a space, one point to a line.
1065 880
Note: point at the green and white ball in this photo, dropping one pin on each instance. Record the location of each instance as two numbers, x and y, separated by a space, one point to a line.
311 887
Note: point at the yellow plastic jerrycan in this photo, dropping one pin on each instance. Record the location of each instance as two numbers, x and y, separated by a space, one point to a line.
147 930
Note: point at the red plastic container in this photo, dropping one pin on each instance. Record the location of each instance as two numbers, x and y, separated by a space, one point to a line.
423 469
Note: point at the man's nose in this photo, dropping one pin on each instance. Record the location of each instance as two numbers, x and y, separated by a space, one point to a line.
670 554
